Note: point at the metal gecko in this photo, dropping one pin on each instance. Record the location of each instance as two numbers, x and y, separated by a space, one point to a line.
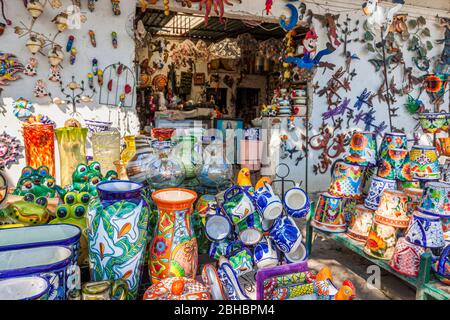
217 5
9 67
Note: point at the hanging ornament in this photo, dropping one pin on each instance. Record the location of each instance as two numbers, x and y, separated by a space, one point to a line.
40 90
94 66
90 77
100 77
31 67
34 44
73 56
9 150
22 108
35 8
127 89
91 5
55 74
9 67
120 69
70 43
92 37
61 21
110 84
378 18
121 100
116 7
114 39
55 56
56 4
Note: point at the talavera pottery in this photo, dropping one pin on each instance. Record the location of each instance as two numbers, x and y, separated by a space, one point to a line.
360 223
265 255
238 204
105 290
24 288
443 146
425 230
424 164
392 210
117 224
346 180
250 229
381 241
406 258
42 236
52 263
299 254
392 140
441 266
391 163
267 202
436 199
363 149
446 229
296 202
239 257
177 288
211 279
377 187
230 282
217 227
174 247
329 214
434 122
414 198
285 234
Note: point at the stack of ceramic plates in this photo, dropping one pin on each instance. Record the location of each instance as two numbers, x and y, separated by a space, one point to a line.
284 106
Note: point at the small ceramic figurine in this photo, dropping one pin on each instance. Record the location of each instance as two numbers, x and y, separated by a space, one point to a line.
73 56
31 67
70 43
86 177
55 74
40 90
243 179
29 211
92 38
114 39
38 182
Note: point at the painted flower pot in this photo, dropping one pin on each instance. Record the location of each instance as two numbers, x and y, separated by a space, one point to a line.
414 198
434 122
296 202
24 288
425 230
52 263
178 288
392 140
391 163
173 250
376 189
393 210
329 214
285 234
66 235
346 180
363 149
441 266
436 199
424 163
360 223
381 241
443 146
406 258
117 224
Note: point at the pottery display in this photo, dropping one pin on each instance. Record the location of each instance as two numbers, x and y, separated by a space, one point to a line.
436 199
434 122
423 161
296 202
329 214
117 225
360 223
238 204
24 288
346 180
177 288
285 234
392 209
105 290
392 140
267 202
376 189
381 241
106 149
173 251
363 149
425 231
406 258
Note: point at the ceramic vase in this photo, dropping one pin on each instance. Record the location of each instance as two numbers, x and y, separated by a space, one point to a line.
72 151
376 189
346 180
436 199
381 241
392 140
424 163
117 224
392 210
106 149
173 250
406 258
425 231
329 214
360 222
363 149
137 167
39 145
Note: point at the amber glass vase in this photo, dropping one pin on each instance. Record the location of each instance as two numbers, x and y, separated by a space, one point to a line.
39 144
130 149
72 150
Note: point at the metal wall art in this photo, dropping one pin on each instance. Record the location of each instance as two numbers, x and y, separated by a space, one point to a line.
10 67
120 88
9 150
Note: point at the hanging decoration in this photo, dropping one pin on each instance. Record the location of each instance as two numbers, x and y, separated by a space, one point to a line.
69 44
290 24
74 92
329 22
117 76
7 21
22 108
9 150
116 7
92 38
90 77
217 5
378 18
73 56
443 64
91 5
55 74
40 89
31 67
34 8
61 21
55 56
114 39
9 68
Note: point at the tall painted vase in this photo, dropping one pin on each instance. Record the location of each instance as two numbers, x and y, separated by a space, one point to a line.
174 247
117 225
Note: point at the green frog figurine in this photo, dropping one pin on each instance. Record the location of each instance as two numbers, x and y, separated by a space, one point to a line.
38 182
29 211
86 177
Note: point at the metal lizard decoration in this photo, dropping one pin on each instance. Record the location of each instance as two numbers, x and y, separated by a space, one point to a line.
329 22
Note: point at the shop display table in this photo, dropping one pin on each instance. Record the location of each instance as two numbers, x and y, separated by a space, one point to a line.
426 284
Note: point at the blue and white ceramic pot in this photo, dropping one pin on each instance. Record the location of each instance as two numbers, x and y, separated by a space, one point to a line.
66 235
265 254
52 263
425 230
24 288
267 202
230 282
285 234
296 202
377 187
117 225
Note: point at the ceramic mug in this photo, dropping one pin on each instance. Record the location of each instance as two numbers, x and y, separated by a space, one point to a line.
363 149
218 248
265 255
392 209
296 202
105 290
443 146
346 180
360 223
24 288
436 199
238 204
297 255
393 140
406 258
285 234
250 229
381 241
377 186
267 202
239 257
391 163
425 230
217 226
329 214
424 162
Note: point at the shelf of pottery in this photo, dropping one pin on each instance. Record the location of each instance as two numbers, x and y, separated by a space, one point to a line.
391 201
287 103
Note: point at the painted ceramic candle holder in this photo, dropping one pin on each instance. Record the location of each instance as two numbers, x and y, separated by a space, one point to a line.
406 258
381 241
376 189
436 199
346 180
329 214
392 140
360 223
392 210
424 162
391 163
414 198
434 122
425 231
363 149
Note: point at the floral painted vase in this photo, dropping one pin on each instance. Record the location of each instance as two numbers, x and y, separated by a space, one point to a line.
424 162
117 225
360 222
173 250
436 199
392 140
363 149
346 180
392 210
381 241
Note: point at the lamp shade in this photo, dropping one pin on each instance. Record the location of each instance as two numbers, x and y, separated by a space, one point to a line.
436 199
363 149
392 210
406 258
425 231
360 223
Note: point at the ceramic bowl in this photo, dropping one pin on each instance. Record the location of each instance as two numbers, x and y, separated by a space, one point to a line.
425 230
24 288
